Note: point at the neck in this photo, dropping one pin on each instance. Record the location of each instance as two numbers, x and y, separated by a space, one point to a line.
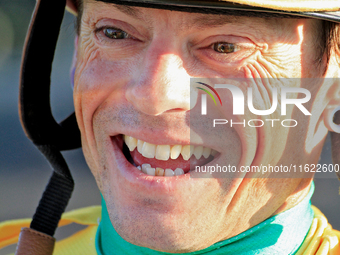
280 234
297 196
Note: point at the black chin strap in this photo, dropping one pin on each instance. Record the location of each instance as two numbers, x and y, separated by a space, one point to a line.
36 117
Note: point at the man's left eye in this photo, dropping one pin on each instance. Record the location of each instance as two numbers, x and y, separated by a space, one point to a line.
114 33
224 47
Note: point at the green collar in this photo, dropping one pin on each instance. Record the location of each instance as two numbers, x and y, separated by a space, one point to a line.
280 234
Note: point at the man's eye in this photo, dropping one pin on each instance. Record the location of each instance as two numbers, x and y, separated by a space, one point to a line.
114 33
223 47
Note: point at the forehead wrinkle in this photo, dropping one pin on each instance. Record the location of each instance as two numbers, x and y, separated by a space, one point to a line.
200 21
128 10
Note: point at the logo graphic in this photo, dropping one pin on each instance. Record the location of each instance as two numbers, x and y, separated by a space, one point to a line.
218 96
239 99
204 97
280 99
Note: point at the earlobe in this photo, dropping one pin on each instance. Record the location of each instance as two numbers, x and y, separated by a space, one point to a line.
331 117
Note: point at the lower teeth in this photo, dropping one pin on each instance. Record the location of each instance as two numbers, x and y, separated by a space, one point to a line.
147 169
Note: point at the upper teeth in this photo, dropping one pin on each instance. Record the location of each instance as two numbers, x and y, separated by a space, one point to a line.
164 152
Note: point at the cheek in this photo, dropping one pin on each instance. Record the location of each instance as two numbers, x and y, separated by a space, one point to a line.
95 81
89 94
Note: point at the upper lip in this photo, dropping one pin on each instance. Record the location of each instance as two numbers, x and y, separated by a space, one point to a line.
165 140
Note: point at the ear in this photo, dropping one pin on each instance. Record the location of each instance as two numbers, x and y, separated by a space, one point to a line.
331 118
331 114
74 61
335 140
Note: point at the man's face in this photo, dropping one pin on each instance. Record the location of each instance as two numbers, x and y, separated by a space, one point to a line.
133 78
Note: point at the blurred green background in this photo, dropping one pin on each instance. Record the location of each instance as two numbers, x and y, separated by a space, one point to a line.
23 170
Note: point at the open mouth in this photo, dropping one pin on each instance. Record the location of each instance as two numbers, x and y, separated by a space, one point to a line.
165 160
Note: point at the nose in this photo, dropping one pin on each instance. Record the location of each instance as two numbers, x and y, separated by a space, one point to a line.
161 84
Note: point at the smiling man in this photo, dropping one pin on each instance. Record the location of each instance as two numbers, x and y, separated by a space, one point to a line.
144 134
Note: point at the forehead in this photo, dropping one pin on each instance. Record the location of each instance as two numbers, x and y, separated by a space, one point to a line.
190 17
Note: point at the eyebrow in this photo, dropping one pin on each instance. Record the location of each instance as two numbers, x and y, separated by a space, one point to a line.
210 20
129 10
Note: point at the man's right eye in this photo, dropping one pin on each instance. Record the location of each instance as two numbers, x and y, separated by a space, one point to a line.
114 33
225 48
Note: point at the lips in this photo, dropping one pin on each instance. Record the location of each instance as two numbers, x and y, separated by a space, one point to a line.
165 160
